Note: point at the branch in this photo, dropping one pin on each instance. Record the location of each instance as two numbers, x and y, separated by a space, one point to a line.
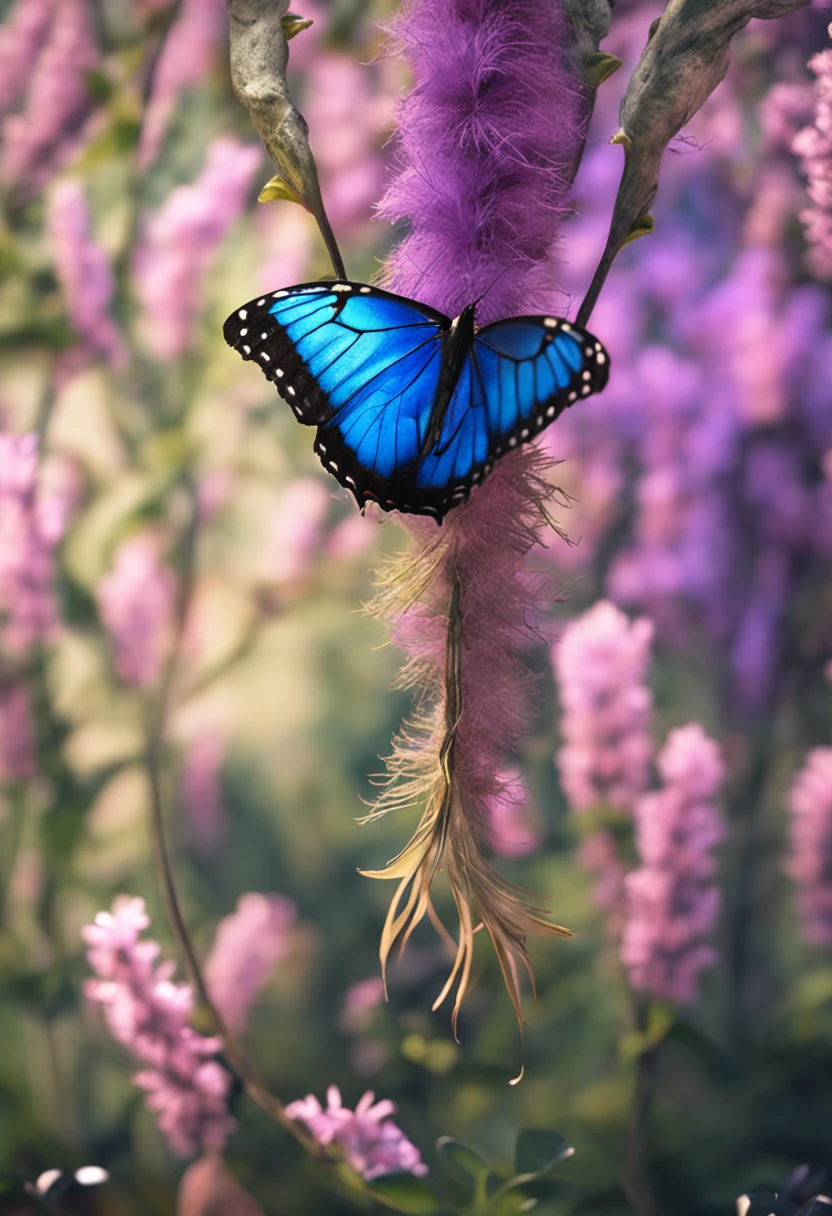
259 54
686 57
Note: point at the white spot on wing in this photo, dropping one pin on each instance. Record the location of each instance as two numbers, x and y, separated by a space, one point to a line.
260 303
290 390
247 349
342 287
365 291
279 295
243 332
242 314
550 322
600 357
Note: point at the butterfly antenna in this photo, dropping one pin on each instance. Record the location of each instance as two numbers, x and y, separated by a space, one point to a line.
490 287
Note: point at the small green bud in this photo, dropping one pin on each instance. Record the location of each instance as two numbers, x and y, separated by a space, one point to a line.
599 66
293 24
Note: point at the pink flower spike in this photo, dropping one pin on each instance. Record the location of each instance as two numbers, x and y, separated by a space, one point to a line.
180 242
136 603
247 947
601 664
147 1013
672 898
31 525
84 273
371 1143
810 860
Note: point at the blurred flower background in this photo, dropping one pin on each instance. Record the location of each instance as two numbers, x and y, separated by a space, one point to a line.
174 563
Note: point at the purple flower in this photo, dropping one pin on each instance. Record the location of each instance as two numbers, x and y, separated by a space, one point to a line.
21 37
601 664
247 946
136 602
370 1142
814 146
185 59
17 733
84 273
31 525
810 861
148 1014
181 240
37 142
672 900
200 790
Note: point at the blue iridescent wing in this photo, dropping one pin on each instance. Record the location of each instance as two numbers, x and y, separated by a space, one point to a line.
521 374
359 363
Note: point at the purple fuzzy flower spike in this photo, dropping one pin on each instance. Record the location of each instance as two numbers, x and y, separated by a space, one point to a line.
489 138
672 899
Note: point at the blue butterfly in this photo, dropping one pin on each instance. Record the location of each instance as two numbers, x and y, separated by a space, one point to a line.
413 408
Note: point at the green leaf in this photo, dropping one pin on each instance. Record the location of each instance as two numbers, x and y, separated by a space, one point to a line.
293 25
276 189
407 1193
539 1150
461 1161
643 226
599 66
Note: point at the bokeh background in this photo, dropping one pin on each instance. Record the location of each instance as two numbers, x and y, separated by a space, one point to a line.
172 505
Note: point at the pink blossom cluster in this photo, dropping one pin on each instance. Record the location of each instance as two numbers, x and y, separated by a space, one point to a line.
53 48
810 862
17 733
370 1142
247 946
814 146
84 273
184 61
672 898
31 524
600 664
136 602
148 1013
181 240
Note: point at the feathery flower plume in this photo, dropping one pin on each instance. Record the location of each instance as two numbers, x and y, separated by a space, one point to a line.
810 863
181 240
814 146
247 946
489 139
84 273
136 602
371 1143
31 524
672 899
148 1014
39 140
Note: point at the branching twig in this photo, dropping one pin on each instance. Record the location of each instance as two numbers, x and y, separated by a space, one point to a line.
259 54
685 59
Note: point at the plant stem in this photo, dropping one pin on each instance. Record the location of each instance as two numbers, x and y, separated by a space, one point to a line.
637 1181
155 728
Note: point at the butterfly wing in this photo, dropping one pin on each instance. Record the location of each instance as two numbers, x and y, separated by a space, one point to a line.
521 374
359 363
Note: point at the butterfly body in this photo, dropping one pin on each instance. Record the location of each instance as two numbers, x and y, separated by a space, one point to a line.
412 407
